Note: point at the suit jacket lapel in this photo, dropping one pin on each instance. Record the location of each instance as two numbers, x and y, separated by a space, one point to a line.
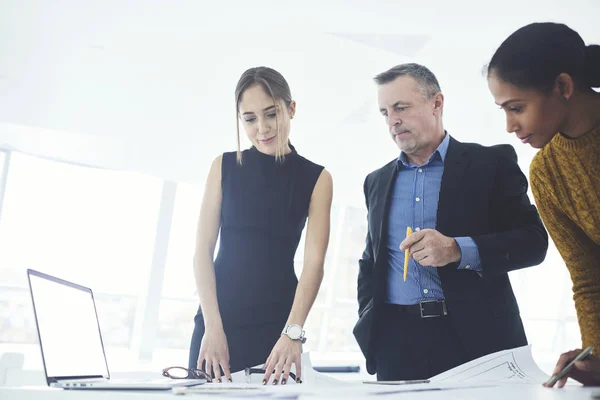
455 165
385 185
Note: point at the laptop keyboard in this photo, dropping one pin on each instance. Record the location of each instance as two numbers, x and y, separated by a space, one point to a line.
87 382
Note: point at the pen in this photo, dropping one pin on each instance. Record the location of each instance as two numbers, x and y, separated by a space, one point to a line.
406 253
580 357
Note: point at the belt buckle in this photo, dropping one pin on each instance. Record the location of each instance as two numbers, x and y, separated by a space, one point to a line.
444 309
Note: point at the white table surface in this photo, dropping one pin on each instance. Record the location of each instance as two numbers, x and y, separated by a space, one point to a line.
500 392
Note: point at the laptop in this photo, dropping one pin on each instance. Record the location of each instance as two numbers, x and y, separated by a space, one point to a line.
71 342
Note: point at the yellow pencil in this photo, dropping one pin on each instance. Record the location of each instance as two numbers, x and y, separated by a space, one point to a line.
406 255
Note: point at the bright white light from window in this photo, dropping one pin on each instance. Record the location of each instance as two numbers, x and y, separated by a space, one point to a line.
92 226
179 275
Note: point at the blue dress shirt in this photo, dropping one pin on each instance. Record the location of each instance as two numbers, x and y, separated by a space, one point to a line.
414 202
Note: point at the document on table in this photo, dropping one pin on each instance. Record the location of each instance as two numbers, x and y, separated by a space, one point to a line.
506 366
243 386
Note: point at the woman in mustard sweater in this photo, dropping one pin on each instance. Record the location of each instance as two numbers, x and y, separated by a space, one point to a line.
542 77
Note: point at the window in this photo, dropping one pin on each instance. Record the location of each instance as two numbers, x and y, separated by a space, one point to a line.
179 281
335 312
4 157
98 228
91 226
547 310
179 301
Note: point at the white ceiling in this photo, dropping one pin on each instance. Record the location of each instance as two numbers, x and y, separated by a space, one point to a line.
148 85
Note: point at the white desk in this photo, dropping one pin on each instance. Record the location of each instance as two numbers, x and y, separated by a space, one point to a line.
504 392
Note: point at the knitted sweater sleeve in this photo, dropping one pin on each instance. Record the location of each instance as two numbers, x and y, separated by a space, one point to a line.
580 253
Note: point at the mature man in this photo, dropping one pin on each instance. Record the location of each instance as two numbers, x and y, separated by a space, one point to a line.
472 222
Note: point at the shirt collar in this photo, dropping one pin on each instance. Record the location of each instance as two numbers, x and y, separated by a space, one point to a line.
440 152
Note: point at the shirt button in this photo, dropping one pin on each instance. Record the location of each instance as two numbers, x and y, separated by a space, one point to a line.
418 199
420 169
425 291
468 266
417 229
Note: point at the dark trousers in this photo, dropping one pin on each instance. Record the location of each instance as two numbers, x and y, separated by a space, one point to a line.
410 347
248 345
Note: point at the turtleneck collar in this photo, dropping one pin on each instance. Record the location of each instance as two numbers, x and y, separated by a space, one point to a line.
268 157
578 143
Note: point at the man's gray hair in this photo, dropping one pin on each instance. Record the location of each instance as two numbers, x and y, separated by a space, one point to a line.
427 83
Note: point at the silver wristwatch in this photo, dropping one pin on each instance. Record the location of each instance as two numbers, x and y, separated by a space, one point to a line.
294 332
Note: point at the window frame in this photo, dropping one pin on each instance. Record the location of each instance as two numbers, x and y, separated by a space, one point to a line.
6 154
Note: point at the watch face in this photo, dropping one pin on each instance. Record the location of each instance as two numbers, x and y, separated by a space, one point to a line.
294 332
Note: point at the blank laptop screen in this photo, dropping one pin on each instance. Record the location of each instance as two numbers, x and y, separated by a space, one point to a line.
68 327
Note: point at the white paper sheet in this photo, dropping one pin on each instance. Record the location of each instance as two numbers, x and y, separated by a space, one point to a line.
253 387
506 366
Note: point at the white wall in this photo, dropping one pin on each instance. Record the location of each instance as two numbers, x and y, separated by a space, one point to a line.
148 85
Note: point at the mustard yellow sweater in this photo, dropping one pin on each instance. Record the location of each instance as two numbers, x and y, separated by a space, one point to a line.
565 180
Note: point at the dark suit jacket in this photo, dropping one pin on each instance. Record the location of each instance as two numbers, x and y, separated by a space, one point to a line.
483 195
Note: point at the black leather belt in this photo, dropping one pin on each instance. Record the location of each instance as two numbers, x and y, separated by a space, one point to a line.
424 309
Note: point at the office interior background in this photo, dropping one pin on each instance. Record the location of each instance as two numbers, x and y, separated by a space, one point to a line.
112 111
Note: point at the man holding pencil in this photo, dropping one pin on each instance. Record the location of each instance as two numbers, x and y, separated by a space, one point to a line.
446 222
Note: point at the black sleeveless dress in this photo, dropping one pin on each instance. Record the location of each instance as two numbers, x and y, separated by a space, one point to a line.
263 212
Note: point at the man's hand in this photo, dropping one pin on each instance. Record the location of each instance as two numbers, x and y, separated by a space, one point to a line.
431 249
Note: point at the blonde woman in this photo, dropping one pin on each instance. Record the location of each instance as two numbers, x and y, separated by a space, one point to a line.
252 306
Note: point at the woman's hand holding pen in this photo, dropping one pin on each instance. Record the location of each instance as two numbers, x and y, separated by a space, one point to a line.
586 371
285 353
215 352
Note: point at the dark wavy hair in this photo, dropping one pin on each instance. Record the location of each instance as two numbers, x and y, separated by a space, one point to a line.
534 55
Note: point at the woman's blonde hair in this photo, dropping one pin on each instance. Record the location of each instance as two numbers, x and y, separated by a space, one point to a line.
275 85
